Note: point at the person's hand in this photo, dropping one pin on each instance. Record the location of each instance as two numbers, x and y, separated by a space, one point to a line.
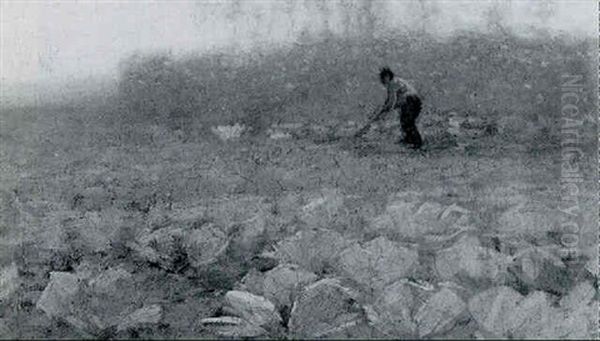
375 113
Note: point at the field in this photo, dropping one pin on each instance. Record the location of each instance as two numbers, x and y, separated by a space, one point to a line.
129 208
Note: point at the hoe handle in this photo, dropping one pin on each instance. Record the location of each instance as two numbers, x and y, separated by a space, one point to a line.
373 117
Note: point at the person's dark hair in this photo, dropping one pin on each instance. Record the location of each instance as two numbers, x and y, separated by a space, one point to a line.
385 72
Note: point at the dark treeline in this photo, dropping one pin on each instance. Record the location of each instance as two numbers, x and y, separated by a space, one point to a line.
334 78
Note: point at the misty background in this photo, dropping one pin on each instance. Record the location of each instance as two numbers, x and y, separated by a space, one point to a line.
51 49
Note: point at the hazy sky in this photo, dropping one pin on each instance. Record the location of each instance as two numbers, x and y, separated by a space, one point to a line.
49 40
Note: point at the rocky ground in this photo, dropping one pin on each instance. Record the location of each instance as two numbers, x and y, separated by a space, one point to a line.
291 235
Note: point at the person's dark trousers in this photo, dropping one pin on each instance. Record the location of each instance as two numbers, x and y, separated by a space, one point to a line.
409 111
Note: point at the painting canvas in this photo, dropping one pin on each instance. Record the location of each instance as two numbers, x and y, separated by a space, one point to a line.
311 169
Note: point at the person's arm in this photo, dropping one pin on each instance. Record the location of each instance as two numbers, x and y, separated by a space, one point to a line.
389 102
378 114
388 105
